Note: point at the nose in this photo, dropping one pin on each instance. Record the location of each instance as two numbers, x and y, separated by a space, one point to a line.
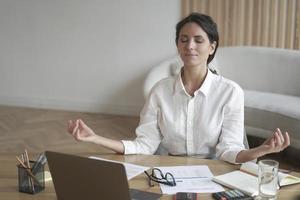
191 44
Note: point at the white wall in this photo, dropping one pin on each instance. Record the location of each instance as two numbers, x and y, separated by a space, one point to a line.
82 55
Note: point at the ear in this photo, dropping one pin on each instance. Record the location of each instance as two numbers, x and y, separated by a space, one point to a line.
212 47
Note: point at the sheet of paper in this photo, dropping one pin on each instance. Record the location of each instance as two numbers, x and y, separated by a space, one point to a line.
197 178
132 170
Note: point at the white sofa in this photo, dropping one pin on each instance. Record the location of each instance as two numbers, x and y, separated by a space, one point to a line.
270 78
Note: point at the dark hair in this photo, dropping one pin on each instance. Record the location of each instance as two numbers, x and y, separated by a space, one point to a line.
206 23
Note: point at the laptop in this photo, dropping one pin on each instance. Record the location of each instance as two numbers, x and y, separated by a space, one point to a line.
77 178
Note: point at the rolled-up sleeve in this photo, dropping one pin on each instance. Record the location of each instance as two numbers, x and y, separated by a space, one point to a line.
232 131
148 136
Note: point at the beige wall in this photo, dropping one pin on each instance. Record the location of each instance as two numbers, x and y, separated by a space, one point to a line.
90 55
272 23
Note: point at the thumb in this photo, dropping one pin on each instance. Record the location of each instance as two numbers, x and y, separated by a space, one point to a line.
82 123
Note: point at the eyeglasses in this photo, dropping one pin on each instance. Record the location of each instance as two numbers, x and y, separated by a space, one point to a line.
157 176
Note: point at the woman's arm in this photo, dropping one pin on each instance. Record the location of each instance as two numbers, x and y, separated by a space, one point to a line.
148 136
81 132
276 143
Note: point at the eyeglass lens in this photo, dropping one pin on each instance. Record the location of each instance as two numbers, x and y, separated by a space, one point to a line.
168 177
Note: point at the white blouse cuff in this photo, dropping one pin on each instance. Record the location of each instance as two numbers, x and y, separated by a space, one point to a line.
230 156
129 147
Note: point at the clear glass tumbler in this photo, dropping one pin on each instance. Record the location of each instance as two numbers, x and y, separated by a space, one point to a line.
268 179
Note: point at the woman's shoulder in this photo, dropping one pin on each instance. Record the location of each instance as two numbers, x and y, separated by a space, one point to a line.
162 88
165 83
225 83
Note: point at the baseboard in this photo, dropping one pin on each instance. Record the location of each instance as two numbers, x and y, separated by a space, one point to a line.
71 105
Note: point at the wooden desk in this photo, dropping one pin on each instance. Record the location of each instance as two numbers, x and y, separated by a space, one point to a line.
9 181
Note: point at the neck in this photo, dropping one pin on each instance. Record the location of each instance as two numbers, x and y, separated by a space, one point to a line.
193 78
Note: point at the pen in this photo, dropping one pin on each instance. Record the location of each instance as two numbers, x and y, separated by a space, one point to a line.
39 162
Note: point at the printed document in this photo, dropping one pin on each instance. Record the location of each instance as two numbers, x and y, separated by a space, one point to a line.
132 170
196 178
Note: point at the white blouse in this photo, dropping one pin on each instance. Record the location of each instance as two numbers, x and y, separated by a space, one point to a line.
208 125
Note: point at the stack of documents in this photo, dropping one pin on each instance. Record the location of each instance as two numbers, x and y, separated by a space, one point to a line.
196 178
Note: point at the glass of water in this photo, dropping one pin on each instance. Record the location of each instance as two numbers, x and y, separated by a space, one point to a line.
268 179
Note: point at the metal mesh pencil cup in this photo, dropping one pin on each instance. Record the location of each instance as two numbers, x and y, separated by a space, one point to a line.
29 184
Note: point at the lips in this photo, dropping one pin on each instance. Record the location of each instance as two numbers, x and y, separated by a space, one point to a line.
191 54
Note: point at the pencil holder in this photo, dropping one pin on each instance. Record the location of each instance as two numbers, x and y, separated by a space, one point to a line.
31 181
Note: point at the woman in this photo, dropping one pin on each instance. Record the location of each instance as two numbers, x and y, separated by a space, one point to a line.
196 113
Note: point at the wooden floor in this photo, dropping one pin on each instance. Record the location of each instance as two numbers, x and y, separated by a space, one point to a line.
38 130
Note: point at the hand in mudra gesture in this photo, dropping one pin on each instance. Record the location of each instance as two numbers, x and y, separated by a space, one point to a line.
80 131
276 143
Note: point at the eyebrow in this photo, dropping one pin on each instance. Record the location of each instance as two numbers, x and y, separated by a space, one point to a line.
196 36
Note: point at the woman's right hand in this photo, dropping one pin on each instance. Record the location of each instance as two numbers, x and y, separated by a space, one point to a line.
80 131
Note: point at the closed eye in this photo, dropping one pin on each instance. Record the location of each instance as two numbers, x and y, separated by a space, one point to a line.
199 39
183 39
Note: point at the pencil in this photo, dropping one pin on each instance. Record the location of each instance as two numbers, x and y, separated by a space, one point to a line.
24 159
27 159
28 165
29 172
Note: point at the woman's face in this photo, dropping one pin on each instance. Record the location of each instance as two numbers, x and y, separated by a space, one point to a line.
194 46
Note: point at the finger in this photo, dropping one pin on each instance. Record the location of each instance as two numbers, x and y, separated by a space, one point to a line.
280 135
278 142
72 125
82 124
286 140
75 128
77 135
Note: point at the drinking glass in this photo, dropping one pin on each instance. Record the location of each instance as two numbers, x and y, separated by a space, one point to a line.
268 179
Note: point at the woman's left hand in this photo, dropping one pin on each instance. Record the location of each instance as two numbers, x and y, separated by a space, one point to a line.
276 143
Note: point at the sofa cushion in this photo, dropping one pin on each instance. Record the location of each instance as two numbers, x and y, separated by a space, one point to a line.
272 102
266 111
